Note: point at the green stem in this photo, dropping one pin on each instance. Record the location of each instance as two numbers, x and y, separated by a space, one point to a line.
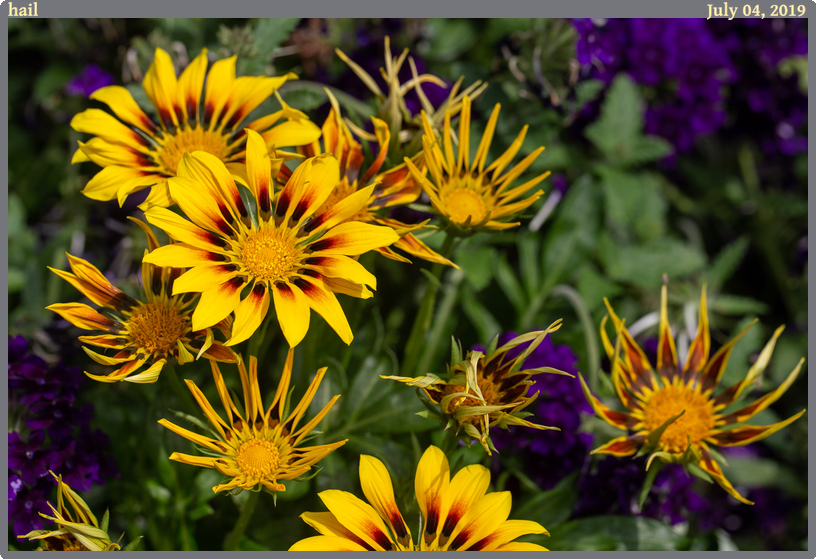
234 538
423 318
441 319
181 391
526 322
581 310
449 442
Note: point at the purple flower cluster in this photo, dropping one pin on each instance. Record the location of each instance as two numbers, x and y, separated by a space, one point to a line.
613 487
680 61
48 432
91 78
549 456
768 107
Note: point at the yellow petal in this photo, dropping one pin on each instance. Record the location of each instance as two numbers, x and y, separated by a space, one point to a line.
249 314
326 543
101 124
121 102
482 519
358 517
353 238
466 488
190 85
325 303
431 486
160 86
376 484
217 303
292 310
291 133
507 532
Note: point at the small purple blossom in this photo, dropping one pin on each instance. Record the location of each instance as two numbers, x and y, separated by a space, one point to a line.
24 509
91 78
549 456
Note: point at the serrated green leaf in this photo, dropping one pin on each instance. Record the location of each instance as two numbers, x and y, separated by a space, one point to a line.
621 119
133 544
726 263
587 91
271 32
477 262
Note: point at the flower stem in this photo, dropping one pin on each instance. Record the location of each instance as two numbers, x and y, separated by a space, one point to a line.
181 391
423 318
581 310
234 538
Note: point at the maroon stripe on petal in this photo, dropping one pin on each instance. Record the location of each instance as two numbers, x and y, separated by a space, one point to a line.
324 245
301 208
166 117
460 540
283 203
315 222
316 261
209 109
380 537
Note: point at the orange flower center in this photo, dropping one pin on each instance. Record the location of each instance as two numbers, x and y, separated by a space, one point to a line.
189 140
65 542
269 254
490 392
257 458
695 424
157 328
463 203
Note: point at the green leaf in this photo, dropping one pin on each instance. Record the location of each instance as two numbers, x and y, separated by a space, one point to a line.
736 305
551 508
449 38
645 265
134 543
587 91
51 80
698 472
271 32
510 285
621 119
475 261
654 437
593 287
103 525
614 533
481 318
635 200
651 474
200 511
456 351
726 263
646 149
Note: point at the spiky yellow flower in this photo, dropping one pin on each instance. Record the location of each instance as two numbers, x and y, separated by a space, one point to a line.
256 449
136 152
395 187
467 196
152 331
407 128
79 531
674 411
481 391
282 249
458 514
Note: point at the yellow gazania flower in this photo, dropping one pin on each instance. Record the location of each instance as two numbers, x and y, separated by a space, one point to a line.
483 392
157 329
394 187
462 193
303 261
458 514
257 449
675 412
136 153
79 531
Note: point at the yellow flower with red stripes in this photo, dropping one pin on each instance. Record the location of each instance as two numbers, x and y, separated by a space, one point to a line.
458 514
136 152
395 187
278 248
256 449
155 330
483 391
466 195
673 411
